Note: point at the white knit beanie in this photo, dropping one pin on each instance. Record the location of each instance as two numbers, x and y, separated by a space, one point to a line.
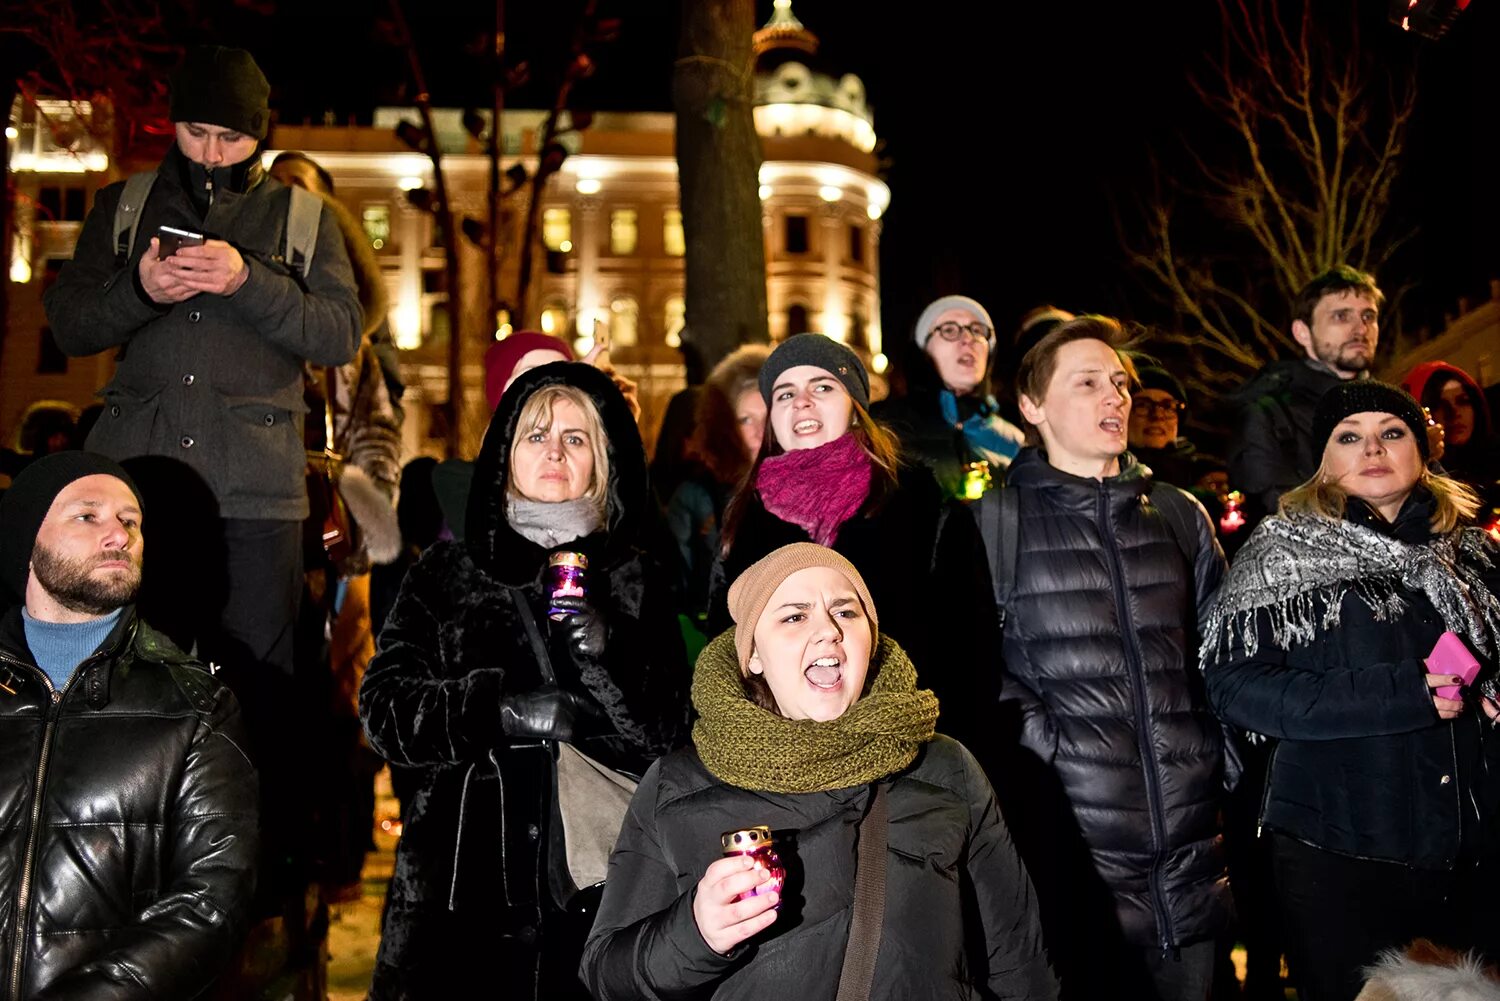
938 307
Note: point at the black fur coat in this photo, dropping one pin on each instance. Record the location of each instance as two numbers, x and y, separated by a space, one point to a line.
469 903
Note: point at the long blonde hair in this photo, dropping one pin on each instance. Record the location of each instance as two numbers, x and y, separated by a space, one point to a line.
1321 497
536 414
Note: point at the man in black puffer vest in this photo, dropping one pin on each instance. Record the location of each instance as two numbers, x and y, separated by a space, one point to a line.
127 819
1111 572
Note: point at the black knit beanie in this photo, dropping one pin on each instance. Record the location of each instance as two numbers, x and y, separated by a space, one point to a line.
24 507
1368 396
223 87
1154 377
823 352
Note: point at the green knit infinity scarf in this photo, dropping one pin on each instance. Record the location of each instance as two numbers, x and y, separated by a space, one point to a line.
746 746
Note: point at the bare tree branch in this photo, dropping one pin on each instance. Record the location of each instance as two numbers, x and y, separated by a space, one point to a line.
1317 149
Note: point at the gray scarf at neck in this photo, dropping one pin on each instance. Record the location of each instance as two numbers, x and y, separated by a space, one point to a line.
1297 571
552 523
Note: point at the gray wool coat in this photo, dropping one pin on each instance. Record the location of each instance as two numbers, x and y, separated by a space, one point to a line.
215 381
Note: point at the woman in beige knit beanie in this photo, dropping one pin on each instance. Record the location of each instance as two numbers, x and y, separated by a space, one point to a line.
811 726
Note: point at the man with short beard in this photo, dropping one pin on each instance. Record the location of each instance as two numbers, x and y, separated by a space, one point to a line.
1336 320
128 824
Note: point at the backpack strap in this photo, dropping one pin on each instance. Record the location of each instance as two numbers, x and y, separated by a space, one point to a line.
999 524
128 212
302 217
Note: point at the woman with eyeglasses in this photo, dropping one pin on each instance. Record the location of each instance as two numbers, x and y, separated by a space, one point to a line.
948 420
827 472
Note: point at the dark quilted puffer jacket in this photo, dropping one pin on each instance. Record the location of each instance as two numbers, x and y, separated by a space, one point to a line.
1100 655
470 900
128 823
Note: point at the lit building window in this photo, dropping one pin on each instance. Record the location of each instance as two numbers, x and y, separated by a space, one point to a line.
674 318
624 321
671 233
554 321
557 229
622 232
377 223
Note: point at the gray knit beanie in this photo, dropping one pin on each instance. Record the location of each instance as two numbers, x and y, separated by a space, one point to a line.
822 352
938 307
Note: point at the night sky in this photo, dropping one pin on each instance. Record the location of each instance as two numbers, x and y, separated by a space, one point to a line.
1012 129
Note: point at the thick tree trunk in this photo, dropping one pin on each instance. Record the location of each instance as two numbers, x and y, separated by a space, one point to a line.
718 169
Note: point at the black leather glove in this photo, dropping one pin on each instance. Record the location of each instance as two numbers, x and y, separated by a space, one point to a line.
584 629
548 712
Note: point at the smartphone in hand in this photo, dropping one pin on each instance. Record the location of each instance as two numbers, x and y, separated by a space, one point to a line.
1451 656
170 239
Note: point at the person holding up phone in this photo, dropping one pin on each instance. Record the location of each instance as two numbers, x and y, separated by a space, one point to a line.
1359 627
217 334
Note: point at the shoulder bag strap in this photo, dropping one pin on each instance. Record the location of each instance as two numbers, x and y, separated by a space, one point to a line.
858 972
128 212
538 645
999 524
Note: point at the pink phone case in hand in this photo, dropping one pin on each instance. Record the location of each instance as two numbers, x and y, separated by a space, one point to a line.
1451 656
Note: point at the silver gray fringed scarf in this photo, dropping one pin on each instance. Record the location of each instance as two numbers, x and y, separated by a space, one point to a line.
1297 572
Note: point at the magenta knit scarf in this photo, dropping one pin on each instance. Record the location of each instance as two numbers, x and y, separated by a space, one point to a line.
816 489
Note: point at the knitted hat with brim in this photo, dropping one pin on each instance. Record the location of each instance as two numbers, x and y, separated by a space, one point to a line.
223 87
24 507
1366 396
818 351
752 590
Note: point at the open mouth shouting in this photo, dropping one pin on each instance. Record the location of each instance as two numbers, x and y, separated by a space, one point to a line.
808 425
825 674
1113 426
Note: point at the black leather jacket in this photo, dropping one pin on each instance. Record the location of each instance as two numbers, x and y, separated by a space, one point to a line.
128 823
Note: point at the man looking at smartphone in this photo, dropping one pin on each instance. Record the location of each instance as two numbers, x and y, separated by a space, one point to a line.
211 340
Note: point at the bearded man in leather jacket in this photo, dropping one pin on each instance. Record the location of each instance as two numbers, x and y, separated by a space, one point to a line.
128 825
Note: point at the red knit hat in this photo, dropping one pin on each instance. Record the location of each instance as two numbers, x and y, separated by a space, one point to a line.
501 359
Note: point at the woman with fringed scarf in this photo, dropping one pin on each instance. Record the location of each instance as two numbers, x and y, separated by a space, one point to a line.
1381 803
827 473
897 877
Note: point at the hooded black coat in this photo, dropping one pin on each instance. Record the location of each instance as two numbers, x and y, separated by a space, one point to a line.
921 556
470 899
1101 662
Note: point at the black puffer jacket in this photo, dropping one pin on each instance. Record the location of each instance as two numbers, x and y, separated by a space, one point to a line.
950 861
1100 657
130 874
917 551
1270 445
470 896
1364 766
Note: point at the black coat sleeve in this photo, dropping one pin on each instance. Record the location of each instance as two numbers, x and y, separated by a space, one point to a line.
95 305
415 710
1316 692
185 936
643 677
963 653
645 941
1015 961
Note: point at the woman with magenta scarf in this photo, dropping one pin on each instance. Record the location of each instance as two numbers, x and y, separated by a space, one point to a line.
827 473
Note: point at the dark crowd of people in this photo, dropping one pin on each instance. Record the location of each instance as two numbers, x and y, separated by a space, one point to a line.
952 694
